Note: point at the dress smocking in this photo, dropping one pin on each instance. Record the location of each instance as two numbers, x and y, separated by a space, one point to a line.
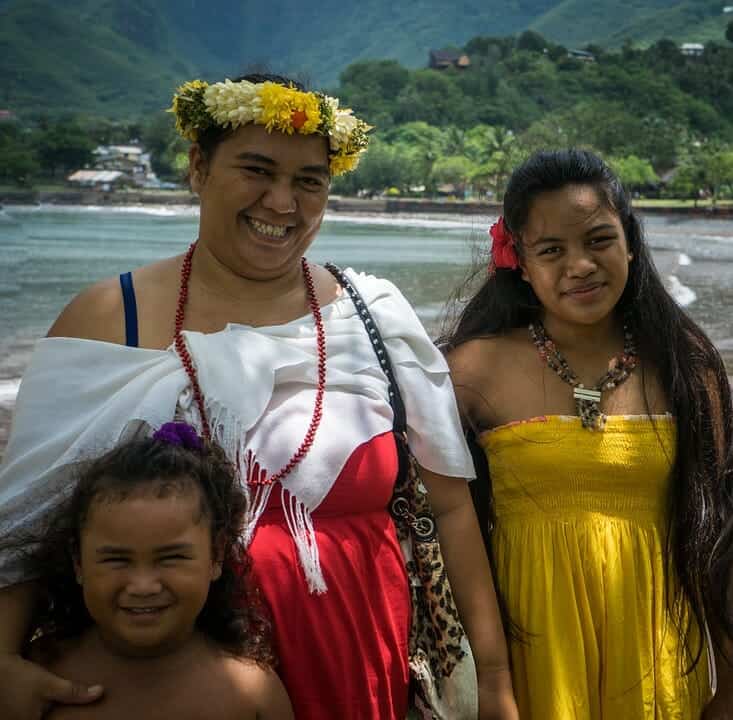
579 542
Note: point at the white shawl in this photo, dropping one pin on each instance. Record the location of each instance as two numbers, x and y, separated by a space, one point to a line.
79 397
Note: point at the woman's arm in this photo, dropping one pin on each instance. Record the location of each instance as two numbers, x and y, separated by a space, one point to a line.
16 608
473 588
27 689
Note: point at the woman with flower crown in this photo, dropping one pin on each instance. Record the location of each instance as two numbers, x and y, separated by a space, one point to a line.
320 385
603 415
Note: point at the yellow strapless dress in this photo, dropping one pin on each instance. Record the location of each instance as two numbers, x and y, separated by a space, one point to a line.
579 545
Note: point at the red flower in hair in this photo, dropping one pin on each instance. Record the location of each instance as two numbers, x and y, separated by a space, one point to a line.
503 252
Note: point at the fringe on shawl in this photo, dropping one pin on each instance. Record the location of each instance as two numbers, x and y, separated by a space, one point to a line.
228 432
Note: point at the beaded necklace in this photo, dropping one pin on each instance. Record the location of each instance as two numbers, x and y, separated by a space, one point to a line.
260 476
587 400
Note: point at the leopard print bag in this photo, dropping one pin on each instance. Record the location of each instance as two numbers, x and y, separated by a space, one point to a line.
442 669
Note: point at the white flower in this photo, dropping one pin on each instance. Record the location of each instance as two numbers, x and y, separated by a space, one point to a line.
233 104
332 103
344 124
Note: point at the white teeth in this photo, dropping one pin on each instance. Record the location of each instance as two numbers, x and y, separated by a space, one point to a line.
266 229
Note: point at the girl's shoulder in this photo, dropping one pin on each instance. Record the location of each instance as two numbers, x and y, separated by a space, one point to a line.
487 369
481 357
256 690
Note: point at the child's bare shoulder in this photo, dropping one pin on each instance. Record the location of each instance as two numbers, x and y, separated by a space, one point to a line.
53 653
256 691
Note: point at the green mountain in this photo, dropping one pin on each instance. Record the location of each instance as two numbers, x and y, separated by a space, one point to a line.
124 57
611 22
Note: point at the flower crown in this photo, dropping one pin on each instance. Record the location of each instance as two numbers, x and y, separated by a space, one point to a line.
199 106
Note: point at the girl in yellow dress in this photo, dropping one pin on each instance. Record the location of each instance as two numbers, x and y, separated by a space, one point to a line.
603 411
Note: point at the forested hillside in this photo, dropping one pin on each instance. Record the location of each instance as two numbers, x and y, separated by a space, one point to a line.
123 57
651 111
657 113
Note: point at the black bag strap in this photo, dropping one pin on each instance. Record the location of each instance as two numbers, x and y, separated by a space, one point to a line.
375 337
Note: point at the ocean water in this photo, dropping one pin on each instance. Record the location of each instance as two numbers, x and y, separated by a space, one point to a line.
48 254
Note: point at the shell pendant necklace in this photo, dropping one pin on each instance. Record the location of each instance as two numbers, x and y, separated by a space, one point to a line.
587 400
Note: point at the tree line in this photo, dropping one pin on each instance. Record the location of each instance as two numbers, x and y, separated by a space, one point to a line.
663 119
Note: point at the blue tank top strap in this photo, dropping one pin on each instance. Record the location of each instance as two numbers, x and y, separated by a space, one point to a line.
130 305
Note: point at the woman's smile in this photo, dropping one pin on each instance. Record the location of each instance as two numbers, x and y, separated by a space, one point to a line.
268 230
263 196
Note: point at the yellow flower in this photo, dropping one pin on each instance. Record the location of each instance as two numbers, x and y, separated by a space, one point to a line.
188 107
276 112
341 164
312 109
280 105
190 88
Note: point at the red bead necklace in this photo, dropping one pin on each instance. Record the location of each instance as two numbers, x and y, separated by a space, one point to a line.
260 476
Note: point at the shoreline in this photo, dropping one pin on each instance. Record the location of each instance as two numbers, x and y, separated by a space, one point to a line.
336 203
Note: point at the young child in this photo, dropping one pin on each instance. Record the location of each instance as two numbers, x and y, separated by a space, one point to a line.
604 413
143 579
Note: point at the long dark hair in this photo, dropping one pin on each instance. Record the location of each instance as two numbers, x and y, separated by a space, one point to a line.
721 565
232 616
670 344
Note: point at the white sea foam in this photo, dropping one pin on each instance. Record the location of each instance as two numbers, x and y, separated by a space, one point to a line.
156 210
471 222
681 293
159 210
8 391
430 311
684 259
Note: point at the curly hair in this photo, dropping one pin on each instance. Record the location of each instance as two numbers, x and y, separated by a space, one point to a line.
233 615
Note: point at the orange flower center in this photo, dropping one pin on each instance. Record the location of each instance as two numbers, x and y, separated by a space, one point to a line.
298 119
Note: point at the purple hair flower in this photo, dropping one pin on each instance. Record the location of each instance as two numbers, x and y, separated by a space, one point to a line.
181 434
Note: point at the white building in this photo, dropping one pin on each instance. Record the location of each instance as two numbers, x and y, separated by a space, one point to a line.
105 180
692 49
131 160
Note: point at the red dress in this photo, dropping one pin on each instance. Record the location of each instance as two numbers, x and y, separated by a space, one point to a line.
342 654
